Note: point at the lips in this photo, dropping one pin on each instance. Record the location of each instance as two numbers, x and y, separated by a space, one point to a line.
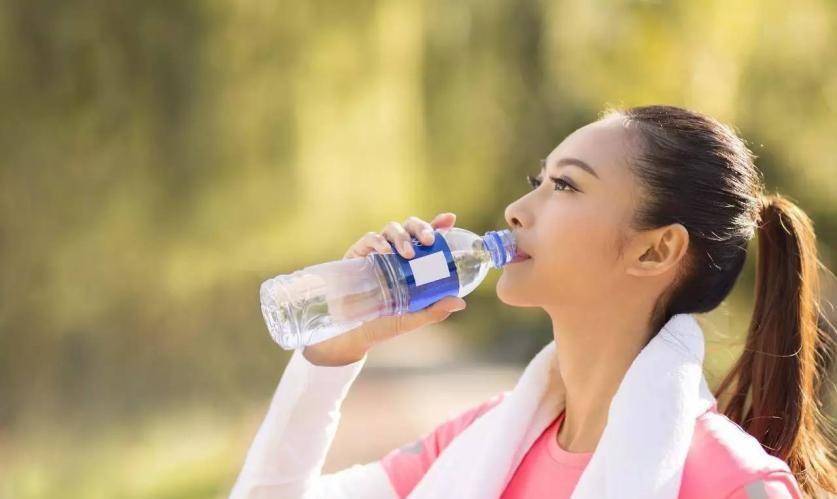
520 256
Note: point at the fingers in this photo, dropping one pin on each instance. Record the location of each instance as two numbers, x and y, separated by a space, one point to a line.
377 242
422 230
369 242
443 220
398 235
401 235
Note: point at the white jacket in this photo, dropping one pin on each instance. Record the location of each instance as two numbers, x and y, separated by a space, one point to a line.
287 455
650 425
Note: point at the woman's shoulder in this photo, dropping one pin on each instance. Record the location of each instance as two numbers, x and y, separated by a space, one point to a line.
456 422
407 464
726 461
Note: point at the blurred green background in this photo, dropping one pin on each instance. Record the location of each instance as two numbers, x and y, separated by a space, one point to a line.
161 159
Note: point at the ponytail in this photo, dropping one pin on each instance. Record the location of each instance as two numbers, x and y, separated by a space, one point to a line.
787 351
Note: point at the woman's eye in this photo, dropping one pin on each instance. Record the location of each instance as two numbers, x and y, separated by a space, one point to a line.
535 182
562 182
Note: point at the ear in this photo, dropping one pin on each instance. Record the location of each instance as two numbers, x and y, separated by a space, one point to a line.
656 251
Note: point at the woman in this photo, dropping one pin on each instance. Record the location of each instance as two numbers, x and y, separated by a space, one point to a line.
641 218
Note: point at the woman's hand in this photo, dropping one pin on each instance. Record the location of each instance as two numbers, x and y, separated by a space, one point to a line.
352 345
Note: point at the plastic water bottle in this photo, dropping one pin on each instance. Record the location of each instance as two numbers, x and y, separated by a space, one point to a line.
322 301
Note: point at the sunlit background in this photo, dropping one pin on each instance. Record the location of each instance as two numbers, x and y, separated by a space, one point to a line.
160 159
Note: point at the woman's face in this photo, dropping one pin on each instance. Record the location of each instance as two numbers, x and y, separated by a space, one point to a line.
573 230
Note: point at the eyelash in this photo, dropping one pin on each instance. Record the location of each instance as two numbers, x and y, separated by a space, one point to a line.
536 182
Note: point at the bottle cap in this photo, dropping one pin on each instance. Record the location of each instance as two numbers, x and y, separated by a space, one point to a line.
502 246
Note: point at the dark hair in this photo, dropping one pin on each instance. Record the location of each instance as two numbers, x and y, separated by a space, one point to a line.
696 171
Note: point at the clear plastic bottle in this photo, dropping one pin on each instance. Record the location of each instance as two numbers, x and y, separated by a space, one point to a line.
322 301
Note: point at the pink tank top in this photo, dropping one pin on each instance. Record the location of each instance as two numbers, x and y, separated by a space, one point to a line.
723 461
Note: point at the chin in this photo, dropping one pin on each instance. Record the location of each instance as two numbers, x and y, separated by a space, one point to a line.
508 294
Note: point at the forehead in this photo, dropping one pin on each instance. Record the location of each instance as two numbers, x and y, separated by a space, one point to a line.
602 144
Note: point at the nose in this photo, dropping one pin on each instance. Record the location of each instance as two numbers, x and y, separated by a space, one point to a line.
516 216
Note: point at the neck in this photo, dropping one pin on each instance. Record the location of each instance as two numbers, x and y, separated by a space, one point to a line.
595 350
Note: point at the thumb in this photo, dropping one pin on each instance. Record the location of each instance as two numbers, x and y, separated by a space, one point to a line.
390 326
442 309
400 324
450 304
437 312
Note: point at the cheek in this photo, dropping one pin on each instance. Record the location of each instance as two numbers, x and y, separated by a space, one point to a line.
573 242
575 261
579 253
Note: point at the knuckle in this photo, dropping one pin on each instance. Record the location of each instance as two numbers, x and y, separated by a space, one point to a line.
394 229
415 222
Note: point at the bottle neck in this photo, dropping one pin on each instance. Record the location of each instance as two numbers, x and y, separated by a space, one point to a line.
501 245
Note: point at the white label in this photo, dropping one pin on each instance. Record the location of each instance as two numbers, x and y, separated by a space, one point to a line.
429 268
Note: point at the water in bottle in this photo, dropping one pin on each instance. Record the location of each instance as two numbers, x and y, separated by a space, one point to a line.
322 301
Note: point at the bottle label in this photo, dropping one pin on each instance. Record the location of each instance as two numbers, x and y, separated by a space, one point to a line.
430 274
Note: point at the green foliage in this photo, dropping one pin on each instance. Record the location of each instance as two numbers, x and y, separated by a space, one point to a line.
161 159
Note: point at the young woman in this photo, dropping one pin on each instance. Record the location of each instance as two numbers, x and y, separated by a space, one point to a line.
635 218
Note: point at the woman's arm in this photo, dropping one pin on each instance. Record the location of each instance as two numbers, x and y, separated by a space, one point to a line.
287 455
774 485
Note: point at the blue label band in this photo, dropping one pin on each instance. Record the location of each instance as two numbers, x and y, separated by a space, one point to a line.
430 274
501 261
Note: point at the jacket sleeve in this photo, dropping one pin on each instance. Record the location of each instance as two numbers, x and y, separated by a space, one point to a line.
774 485
288 452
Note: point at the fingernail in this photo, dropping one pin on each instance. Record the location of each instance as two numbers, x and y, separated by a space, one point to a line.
406 248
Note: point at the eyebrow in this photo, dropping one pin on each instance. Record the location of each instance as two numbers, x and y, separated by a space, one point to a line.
572 161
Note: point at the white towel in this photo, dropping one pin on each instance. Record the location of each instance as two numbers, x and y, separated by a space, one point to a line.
640 455
644 445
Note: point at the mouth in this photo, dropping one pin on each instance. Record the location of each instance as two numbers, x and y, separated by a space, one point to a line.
520 256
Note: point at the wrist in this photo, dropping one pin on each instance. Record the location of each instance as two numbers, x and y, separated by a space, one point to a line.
328 359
